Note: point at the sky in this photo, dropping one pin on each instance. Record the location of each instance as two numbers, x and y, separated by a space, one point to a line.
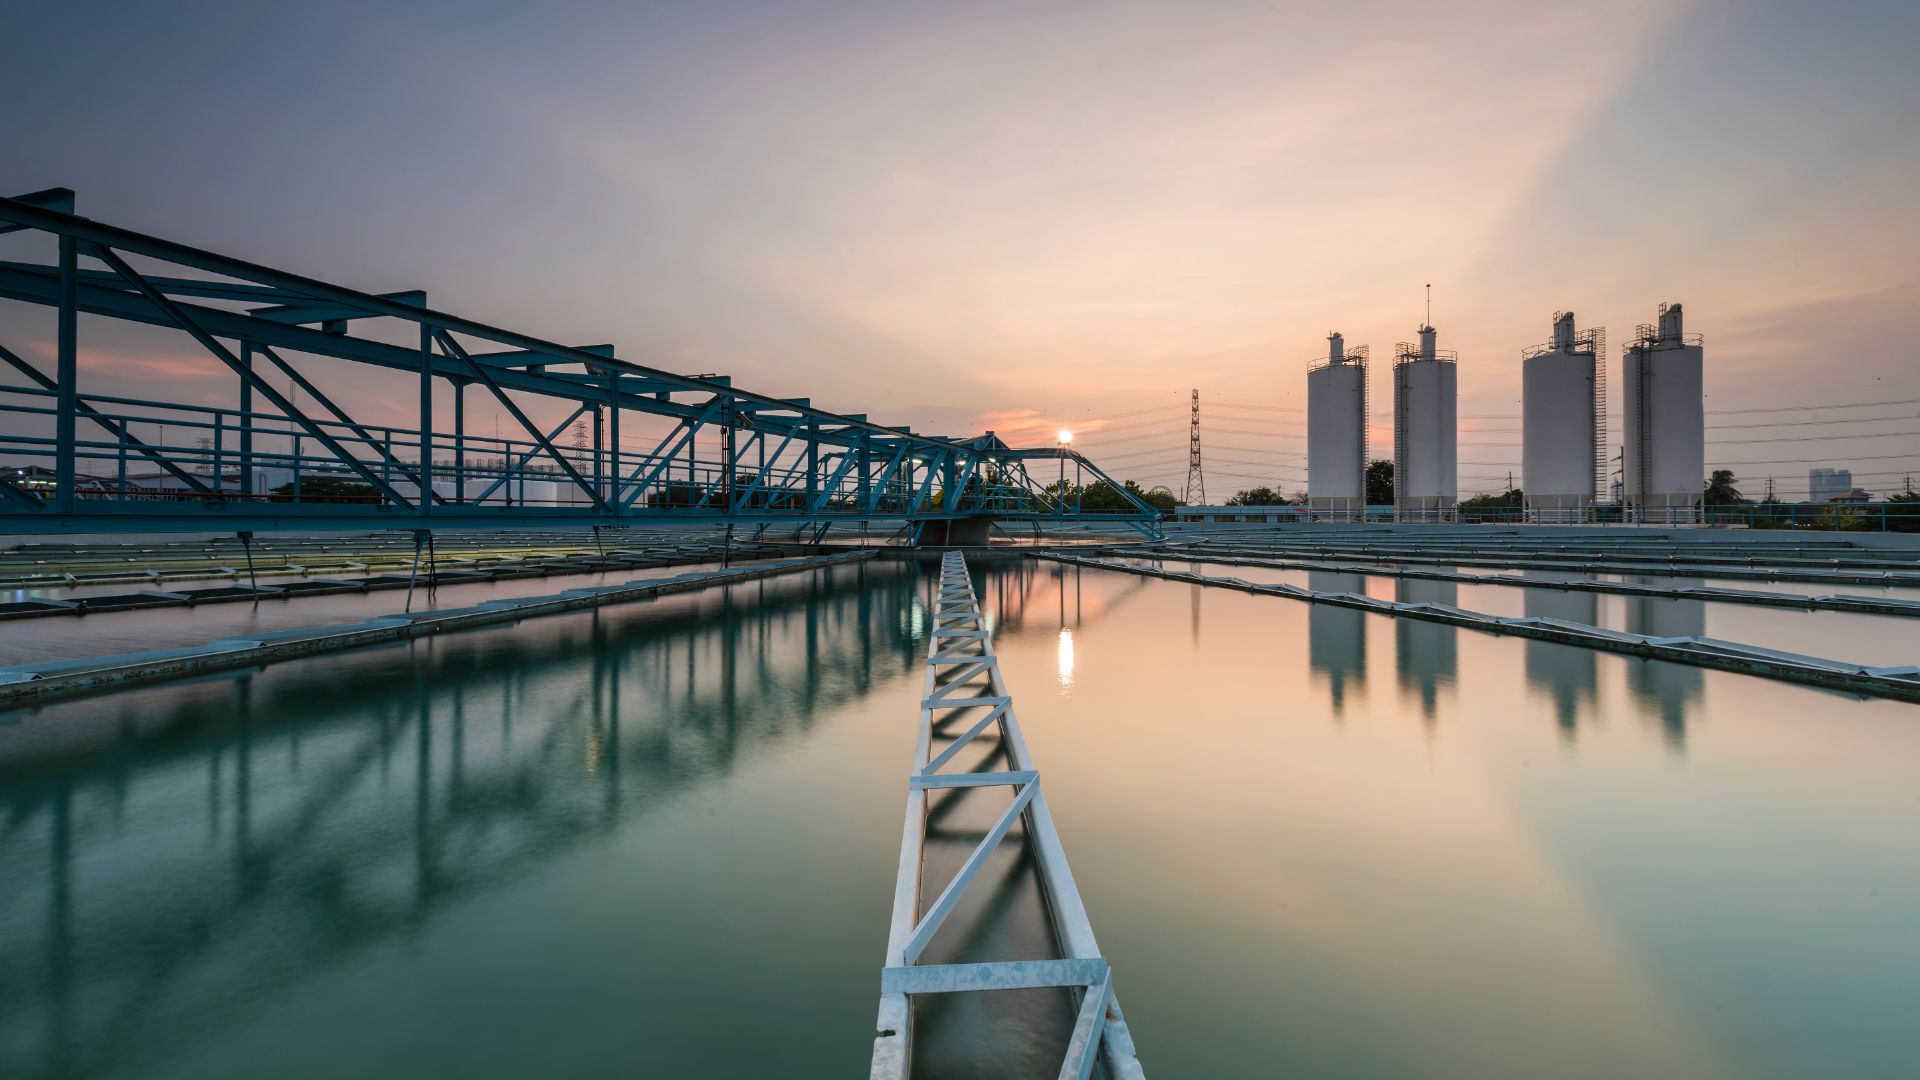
1028 216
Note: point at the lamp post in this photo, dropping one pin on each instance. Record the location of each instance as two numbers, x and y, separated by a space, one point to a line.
1066 441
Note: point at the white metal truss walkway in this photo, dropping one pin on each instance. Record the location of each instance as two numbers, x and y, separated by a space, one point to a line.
965 694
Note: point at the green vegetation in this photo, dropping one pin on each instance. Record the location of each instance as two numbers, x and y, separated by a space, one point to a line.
330 489
1511 499
1903 512
1102 497
1260 496
1380 483
1720 490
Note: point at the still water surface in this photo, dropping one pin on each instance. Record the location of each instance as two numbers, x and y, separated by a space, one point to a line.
659 840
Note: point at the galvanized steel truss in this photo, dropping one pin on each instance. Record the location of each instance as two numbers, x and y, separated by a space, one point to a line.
964 695
706 449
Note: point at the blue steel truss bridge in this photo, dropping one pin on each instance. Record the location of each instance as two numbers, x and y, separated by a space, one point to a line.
591 439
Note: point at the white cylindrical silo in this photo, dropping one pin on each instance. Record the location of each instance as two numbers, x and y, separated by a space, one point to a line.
1426 474
1665 453
1337 431
1563 423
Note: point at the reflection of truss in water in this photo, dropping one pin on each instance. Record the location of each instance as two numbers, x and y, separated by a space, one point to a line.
1014 596
339 850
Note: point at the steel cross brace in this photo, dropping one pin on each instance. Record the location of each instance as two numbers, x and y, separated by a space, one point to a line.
260 386
115 428
340 415
452 348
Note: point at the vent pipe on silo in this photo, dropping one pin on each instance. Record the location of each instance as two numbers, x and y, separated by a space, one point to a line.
1670 322
1336 348
1563 330
1426 343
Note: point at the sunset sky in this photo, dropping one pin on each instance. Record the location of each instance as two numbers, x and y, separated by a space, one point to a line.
1018 216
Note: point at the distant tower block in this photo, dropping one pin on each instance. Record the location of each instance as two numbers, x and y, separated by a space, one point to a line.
1426 472
1564 423
1665 455
1337 431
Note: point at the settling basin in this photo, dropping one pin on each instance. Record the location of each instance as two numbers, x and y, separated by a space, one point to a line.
660 838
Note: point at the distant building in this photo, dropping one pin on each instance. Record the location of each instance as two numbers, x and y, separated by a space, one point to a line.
161 482
1824 484
1269 515
1851 495
37 480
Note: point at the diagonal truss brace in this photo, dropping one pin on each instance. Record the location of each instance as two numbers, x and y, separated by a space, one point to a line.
220 352
452 348
366 437
114 427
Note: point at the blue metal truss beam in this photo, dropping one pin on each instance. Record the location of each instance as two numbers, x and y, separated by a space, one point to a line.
301 315
40 285
525 358
59 198
172 286
125 240
334 313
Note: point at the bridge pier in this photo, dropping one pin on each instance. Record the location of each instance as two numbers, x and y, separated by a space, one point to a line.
956 532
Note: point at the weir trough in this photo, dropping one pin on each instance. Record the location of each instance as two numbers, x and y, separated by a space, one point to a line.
32 683
1899 682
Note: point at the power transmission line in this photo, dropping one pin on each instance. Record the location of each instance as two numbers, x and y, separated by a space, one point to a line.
1255 408
1804 408
1813 438
1822 460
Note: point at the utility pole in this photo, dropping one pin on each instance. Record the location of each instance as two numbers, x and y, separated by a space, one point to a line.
1196 480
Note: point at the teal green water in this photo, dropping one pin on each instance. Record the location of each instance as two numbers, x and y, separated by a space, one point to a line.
660 840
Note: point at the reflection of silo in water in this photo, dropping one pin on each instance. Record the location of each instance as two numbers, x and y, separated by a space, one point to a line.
1427 654
1337 636
1564 673
1673 688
